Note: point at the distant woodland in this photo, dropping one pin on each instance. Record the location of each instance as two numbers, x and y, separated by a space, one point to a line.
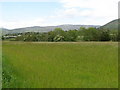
59 35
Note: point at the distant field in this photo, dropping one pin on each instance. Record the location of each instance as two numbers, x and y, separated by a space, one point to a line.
60 65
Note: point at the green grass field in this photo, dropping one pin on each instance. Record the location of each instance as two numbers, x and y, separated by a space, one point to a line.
60 65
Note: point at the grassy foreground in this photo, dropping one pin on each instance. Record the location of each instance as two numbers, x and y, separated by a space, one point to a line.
60 65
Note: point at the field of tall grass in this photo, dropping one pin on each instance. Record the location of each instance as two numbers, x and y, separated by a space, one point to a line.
60 65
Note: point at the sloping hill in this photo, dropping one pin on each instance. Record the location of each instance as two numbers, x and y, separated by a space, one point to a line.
4 31
47 28
113 25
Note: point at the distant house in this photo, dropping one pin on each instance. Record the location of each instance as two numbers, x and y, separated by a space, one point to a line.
9 36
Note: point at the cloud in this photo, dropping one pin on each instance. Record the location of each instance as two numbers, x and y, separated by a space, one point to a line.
72 12
28 0
46 21
88 11
89 3
20 24
107 9
98 12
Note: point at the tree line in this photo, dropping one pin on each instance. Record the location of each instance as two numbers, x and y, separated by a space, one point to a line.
59 35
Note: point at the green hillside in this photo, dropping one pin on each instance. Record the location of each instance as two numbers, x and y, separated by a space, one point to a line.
113 25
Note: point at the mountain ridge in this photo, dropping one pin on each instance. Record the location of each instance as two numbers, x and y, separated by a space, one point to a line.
65 27
112 25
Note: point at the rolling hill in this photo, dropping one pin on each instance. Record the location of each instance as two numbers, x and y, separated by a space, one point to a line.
4 31
45 29
113 25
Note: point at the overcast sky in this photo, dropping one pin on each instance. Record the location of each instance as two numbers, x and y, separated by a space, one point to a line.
26 13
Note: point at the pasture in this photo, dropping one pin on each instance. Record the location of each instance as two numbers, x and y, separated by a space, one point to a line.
60 65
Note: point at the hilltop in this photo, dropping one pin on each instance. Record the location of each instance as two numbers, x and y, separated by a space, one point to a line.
45 28
113 25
